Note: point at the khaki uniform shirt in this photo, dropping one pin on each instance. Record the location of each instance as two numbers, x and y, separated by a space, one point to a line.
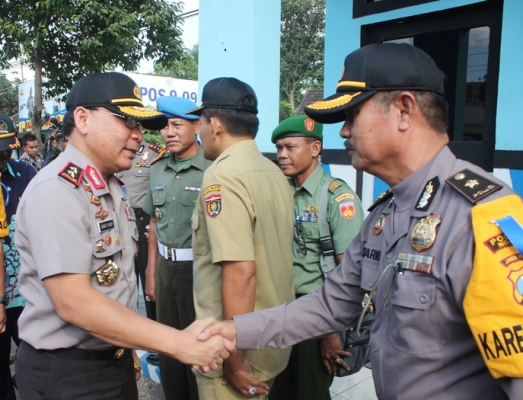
344 216
64 227
171 197
421 346
244 213
136 179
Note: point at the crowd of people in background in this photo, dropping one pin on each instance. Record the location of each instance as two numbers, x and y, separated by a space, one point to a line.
244 290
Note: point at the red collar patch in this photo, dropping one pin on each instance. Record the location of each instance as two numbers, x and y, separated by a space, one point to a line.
94 177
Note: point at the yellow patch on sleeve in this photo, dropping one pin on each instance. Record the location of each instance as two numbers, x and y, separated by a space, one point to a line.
212 188
493 301
344 197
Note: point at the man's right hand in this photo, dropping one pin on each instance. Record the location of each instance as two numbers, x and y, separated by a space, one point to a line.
227 329
204 355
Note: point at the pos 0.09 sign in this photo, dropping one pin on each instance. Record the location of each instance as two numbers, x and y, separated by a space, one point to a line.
152 87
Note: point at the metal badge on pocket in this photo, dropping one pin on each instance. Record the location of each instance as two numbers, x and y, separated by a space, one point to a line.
108 274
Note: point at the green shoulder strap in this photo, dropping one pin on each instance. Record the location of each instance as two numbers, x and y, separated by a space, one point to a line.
327 259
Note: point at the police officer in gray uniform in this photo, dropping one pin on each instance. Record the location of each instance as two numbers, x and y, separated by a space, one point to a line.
413 262
79 326
136 181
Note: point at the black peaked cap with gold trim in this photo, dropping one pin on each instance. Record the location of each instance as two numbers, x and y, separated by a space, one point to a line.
8 139
116 92
374 68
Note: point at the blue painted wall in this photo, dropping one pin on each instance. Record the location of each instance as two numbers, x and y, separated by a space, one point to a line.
241 39
343 36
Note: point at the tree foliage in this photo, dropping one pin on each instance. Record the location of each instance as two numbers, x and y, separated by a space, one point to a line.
9 95
184 68
64 40
302 49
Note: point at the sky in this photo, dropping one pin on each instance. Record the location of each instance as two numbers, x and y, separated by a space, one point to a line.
189 36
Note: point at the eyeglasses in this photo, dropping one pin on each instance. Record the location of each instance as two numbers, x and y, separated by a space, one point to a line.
301 238
131 123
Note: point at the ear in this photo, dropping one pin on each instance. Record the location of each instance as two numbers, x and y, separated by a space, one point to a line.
81 119
406 105
197 126
316 148
217 127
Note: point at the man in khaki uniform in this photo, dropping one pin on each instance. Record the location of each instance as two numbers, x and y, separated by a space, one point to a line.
173 189
242 235
80 322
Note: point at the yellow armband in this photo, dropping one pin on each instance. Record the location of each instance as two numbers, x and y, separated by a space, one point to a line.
494 298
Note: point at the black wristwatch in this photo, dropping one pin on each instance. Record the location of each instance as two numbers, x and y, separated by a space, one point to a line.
3 300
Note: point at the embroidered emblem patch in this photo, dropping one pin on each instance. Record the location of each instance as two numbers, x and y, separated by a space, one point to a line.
309 124
72 173
347 209
344 197
424 233
498 242
511 259
212 188
213 205
516 277
94 177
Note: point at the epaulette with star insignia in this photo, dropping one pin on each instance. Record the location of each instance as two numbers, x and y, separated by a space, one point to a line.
160 155
72 173
155 147
381 198
334 185
472 186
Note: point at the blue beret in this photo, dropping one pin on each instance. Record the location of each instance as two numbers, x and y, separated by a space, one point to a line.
176 107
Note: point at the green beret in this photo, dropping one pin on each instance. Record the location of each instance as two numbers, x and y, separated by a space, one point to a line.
299 125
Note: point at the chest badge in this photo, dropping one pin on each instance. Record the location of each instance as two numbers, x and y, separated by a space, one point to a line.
380 224
424 232
107 274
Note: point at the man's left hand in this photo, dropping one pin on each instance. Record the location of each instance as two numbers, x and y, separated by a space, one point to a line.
332 354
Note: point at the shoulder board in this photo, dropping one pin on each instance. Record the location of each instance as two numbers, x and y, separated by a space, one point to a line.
334 185
472 186
160 155
72 173
155 147
381 198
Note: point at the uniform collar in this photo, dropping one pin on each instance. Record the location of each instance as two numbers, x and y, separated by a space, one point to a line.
312 182
409 192
198 160
73 155
243 145
9 168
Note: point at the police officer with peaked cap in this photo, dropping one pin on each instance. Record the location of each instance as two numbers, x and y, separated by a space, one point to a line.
438 258
79 326
298 142
174 186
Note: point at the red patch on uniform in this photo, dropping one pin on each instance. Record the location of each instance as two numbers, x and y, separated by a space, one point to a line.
213 205
309 124
347 210
94 177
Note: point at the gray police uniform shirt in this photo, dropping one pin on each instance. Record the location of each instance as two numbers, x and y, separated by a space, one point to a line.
421 345
71 221
136 179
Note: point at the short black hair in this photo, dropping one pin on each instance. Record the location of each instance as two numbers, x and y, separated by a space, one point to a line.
236 122
28 137
68 123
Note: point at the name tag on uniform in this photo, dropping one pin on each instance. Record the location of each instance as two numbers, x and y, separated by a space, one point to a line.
159 187
105 225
